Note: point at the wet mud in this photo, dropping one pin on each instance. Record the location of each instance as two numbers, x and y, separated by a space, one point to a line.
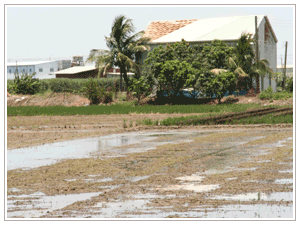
192 173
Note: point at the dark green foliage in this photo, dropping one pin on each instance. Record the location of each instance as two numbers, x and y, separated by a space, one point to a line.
25 84
289 84
173 75
181 65
216 55
212 83
244 54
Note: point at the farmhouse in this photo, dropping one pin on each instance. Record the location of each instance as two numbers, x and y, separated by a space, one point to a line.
227 29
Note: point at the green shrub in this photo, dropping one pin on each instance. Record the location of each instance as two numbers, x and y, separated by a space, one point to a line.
282 95
92 91
140 87
107 96
289 84
95 93
25 84
64 85
266 94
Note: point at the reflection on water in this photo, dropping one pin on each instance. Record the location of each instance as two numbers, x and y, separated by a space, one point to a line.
105 146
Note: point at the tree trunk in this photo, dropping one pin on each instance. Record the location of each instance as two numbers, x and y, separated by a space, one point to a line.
120 88
124 72
257 85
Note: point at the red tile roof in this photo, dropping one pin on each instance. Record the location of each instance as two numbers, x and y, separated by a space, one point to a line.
157 29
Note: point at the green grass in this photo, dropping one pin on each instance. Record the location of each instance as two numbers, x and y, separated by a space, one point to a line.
125 109
194 120
265 119
268 94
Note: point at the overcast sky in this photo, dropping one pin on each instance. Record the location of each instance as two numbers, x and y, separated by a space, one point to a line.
35 32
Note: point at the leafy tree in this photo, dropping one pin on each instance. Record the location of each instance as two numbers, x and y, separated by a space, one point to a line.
177 51
181 65
244 62
123 47
216 55
173 75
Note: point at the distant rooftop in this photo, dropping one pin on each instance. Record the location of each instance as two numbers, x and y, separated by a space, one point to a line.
74 70
29 63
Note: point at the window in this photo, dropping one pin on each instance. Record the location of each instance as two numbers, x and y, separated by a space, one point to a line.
9 70
40 69
23 70
51 69
29 70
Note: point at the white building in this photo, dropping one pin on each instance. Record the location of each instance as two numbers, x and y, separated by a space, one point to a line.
227 29
41 68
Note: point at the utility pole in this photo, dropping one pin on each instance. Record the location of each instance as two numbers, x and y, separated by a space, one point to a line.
257 55
284 75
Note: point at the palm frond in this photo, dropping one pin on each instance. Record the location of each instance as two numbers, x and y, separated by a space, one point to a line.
239 71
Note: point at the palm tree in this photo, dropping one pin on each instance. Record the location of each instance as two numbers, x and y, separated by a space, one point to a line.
245 63
123 48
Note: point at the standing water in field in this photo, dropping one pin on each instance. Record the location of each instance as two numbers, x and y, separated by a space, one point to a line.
106 146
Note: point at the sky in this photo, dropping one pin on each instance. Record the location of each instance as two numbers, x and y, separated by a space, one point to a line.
35 32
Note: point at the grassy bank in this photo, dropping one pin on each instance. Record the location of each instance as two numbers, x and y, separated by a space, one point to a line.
125 109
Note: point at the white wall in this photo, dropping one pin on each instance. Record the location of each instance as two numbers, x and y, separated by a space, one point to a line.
267 50
21 69
44 74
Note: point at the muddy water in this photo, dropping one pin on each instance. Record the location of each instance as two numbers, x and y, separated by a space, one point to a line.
139 204
105 146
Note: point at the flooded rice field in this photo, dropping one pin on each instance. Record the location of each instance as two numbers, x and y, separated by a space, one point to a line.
193 173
